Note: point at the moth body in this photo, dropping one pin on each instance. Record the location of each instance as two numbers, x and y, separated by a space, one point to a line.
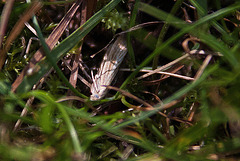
108 68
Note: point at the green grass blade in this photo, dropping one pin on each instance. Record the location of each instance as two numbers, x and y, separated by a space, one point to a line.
72 131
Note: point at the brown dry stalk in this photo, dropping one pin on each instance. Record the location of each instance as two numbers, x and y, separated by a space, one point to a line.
203 66
4 19
160 72
30 101
186 41
74 72
192 112
79 77
125 93
23 113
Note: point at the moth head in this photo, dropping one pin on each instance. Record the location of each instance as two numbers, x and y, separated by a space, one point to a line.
94 97
97 95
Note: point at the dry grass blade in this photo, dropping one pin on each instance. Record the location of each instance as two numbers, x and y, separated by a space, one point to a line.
82 67
71 98
127 94
23 113
30 101
175 75
164 73
51 41
172 72
154 95
186 41
31 28
204 65
192 111
163 67
79 76
74 72
18 28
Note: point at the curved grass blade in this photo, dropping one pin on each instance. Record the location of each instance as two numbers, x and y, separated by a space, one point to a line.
45 97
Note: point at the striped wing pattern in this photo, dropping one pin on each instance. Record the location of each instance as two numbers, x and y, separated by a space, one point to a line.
108 68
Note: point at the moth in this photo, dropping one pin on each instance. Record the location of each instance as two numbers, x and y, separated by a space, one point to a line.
108 68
